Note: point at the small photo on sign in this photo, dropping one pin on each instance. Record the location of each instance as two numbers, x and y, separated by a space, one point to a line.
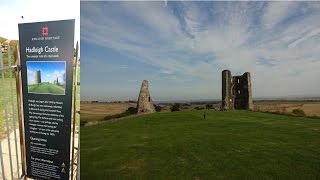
46 77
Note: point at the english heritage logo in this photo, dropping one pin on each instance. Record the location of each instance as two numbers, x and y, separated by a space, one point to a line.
45 31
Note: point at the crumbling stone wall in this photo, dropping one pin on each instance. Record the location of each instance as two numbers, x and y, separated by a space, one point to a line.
236 91
145 103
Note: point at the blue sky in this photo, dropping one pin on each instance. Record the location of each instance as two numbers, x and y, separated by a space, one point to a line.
50 71
182 47
36 11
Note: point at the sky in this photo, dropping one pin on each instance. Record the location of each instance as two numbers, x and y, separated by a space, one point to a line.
36 11
50 71
181 48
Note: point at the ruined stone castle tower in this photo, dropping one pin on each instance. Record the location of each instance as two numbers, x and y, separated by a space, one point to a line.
145 103
56 82
37 77
236 91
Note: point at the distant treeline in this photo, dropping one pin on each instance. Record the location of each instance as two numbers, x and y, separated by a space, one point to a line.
210 102
191 103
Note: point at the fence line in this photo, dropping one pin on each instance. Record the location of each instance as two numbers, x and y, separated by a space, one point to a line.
1 156
9 145
4 93
13 114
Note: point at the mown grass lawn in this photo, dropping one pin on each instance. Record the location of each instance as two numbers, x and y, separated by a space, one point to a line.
183 145
46 88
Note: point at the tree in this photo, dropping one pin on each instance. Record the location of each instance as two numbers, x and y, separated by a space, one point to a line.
132 110
157 108
175 107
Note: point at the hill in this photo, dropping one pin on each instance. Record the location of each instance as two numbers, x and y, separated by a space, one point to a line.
2 39
183 145
46 88
12 45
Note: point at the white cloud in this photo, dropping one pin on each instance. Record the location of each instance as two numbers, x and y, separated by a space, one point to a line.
305 37
30 75
277 12
283 58
52 76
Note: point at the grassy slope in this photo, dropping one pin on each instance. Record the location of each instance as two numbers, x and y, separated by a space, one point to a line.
46 88
13 44
2 39
7 88
182 145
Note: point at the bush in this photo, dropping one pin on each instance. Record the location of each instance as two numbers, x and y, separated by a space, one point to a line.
298 112
128 112
199 108
175 107
209 106
157 107
132 110
116 116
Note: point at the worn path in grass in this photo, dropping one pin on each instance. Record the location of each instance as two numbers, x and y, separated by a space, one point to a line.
6 156
183 145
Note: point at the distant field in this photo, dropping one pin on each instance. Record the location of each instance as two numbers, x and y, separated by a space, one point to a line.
46 88
97 111
310 108
183 145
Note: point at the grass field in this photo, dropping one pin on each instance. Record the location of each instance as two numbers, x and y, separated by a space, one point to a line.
94 112
46 88
182 145
7 88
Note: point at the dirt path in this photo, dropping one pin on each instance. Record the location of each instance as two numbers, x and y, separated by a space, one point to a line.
6 157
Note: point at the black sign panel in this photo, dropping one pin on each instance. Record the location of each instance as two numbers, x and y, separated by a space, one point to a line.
46 53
